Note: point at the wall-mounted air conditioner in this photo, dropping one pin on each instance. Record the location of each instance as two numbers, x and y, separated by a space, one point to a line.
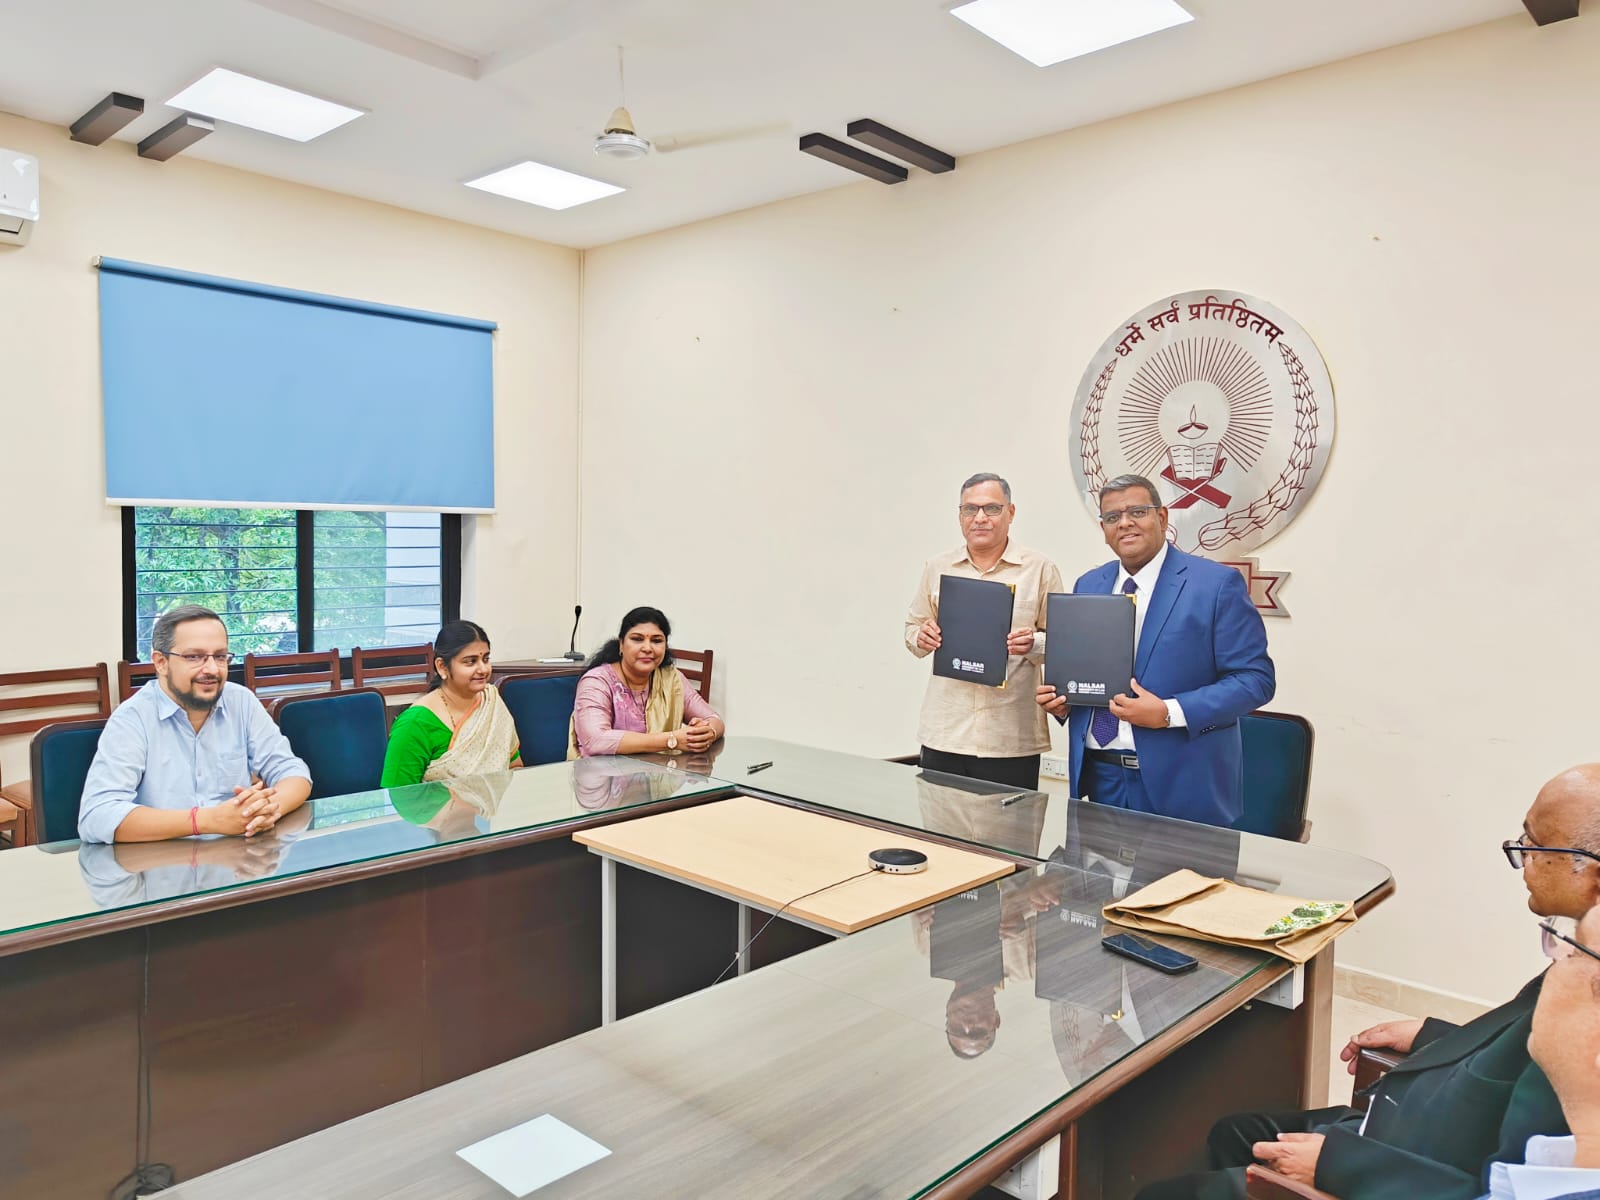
19 196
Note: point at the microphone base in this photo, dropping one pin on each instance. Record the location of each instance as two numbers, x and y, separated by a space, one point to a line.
575 655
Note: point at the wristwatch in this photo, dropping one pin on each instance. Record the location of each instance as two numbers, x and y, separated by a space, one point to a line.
672 741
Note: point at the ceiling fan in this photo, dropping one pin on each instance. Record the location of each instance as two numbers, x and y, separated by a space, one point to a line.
619 139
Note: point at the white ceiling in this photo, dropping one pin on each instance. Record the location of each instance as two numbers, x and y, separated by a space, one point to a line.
457 88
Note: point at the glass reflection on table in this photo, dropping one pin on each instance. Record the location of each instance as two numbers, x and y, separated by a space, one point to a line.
63 881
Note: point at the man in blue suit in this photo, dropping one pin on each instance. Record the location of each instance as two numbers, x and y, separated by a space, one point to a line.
1172 747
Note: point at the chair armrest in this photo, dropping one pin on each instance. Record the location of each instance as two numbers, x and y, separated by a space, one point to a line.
1371 1066
20 796
1263 1183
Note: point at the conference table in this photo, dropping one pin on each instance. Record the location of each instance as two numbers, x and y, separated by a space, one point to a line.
339 1008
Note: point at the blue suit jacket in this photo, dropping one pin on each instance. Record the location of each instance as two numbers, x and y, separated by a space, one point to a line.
1203 643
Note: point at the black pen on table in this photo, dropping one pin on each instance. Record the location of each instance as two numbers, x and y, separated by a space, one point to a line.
754 767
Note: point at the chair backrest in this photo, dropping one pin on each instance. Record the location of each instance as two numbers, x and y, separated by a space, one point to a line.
131 676
542 708
695 666
393 670
341 736
60 755
87 690
1277 774
310 671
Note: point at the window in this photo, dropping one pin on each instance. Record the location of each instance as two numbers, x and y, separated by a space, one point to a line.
286 580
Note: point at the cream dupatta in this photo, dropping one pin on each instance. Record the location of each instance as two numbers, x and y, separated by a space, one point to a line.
482 744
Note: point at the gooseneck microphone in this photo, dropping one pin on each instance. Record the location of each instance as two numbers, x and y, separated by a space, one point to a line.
573 652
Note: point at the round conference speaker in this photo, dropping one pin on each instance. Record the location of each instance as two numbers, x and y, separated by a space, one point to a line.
898 861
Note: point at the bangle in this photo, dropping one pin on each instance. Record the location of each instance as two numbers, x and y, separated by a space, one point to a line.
194 820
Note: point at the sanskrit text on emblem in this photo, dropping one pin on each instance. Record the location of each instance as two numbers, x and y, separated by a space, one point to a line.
1224 401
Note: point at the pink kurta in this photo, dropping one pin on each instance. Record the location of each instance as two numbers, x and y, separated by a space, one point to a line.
606 708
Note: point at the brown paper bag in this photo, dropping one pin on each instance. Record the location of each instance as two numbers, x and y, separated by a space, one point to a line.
1218 910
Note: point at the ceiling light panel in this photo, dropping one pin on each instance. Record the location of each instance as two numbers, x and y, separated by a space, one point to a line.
1050 31
548 187
239 99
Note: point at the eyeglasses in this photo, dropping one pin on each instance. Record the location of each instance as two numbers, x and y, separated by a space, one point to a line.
1514 850
969 511
1550 932
1138 513
196 660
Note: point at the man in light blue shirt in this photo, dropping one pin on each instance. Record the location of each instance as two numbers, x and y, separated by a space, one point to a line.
190 753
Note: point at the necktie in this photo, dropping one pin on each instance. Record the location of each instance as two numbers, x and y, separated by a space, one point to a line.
1105 723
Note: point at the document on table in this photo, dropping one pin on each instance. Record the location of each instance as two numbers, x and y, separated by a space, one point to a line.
526 1157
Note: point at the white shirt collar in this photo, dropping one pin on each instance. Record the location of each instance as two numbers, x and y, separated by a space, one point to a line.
1146 576
1547 1172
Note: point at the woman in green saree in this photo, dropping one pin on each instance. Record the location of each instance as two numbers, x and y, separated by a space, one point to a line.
461 727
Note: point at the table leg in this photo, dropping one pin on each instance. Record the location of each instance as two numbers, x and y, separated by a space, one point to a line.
743 935
1315 1028
608 940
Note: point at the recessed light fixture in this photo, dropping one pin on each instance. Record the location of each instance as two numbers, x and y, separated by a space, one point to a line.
548 187
225 95
1050 31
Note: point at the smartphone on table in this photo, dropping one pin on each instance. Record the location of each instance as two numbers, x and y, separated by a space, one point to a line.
1162 958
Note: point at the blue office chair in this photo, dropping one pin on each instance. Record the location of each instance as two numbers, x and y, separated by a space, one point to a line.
1277 775
60 755
341 736
541 705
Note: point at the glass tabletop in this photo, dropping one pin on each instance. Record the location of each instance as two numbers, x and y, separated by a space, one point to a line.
1036 826
66 881
873 1066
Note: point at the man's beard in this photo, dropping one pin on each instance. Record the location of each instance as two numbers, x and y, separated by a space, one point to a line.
194 702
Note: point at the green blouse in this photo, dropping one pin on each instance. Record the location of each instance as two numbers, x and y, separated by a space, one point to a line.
416 738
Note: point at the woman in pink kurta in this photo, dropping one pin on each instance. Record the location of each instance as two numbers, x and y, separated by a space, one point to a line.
632 700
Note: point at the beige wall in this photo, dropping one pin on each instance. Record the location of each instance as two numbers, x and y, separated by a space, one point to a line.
60 545
811 380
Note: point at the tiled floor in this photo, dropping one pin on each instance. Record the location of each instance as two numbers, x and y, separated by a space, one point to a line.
1350 1016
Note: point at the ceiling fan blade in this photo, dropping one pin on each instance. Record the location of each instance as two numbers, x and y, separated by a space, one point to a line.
672 143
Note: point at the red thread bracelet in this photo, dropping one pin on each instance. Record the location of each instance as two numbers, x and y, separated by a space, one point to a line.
194 820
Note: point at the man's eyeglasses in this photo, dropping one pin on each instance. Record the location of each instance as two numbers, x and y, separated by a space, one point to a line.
1514 850
969 511
197 660
1553 935
1138 513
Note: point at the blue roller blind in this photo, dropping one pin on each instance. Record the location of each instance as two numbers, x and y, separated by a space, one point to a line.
219 392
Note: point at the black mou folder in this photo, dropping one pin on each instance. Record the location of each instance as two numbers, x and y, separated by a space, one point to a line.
1088 655
974 621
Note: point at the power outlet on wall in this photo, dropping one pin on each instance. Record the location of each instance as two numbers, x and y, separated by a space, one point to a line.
1053 767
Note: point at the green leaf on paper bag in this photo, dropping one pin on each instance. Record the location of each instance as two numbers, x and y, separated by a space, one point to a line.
1305 916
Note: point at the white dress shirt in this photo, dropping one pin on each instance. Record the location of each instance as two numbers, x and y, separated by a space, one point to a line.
1547 1173
1144 582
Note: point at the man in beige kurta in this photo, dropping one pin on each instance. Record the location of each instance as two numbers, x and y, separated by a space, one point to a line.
966 728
